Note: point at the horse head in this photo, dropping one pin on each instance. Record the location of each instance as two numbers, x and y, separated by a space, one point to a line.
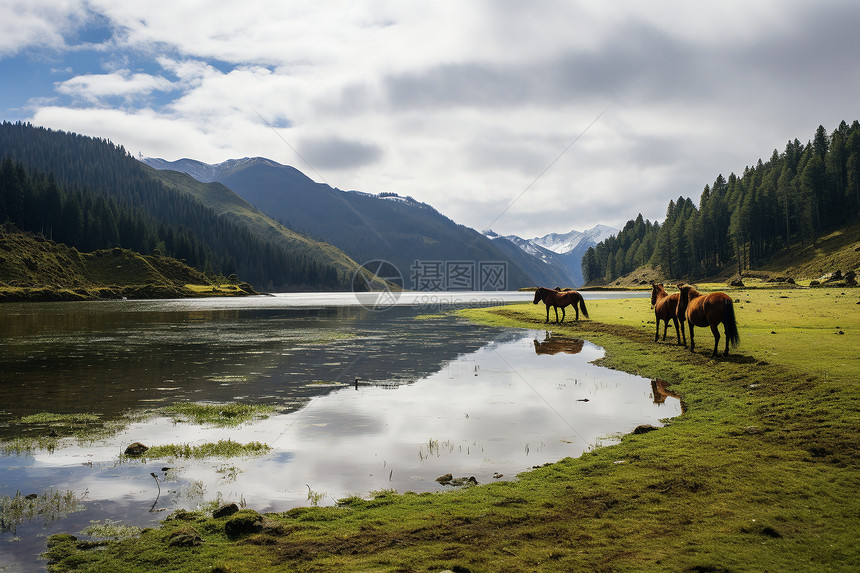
538 296
688 292
656 289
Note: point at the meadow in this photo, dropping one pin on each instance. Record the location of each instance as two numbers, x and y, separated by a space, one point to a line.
758 474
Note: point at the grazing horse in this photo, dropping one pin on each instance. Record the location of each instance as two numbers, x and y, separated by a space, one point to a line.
708 310
560 300
666 309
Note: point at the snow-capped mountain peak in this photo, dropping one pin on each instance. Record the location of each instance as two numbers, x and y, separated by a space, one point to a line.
562 250
562 243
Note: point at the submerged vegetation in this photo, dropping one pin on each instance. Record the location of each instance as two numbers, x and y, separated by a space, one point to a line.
47 506
45 430
759 473
222 415
221 449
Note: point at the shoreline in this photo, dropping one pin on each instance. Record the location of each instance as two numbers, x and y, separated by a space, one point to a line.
722 486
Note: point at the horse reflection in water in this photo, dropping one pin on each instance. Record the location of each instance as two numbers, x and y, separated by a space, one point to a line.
555 344
660 391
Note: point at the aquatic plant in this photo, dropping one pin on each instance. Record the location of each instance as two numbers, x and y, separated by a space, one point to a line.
51 418
223 415
230 473
46 430
49 506
23 445
315 497
221 448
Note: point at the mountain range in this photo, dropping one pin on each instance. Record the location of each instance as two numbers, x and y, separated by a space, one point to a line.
91 194
415 238
563 251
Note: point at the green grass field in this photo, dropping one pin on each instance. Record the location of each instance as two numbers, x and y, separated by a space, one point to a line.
759 474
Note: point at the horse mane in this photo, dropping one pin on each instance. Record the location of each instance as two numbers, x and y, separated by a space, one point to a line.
692 292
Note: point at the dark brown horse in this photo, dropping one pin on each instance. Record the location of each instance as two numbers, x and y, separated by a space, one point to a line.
708 310
559 300
665 309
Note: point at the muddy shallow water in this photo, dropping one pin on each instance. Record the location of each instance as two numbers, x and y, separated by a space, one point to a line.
435 395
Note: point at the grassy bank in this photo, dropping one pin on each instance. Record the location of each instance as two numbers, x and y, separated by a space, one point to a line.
759 474
34 269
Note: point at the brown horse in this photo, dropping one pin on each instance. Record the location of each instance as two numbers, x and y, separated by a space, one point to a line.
665 309
560 300
708 310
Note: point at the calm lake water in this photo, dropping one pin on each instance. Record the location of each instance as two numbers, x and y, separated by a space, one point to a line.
435 395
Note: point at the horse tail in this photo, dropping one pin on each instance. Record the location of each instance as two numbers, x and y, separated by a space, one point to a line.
582 306
731 324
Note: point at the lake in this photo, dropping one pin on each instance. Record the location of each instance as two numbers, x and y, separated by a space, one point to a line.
366 395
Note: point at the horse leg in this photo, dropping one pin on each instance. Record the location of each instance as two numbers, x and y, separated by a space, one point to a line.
677 334
717 339
562 314
683 335
665 328
727 340
692 343
657 334
547 314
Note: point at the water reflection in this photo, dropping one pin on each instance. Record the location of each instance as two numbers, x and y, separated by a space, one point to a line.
65 355
554 343
660 391
367 401
500 409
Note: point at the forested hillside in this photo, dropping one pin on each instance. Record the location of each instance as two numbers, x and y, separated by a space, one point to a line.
91 194
33 268
405 232
790 200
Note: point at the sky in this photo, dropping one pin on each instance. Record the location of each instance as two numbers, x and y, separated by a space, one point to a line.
525 117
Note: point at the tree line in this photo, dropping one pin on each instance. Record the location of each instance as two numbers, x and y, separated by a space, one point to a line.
791 199
91 194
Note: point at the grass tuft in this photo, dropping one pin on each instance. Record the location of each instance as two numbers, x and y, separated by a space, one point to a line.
221 449
223 415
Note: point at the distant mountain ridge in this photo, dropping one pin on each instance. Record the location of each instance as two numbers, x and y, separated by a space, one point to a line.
562 252
206 172
564 243
366 226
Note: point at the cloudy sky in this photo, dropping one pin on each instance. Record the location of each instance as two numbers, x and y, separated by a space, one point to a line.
527 117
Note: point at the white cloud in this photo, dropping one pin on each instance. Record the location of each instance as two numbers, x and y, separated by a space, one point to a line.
37 23
96 87
464 105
